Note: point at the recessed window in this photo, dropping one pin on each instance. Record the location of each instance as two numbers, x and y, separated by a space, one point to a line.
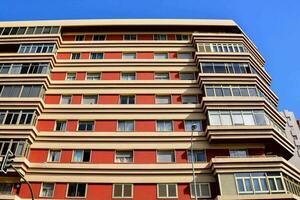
165 156
95 56
75 56
6 188
238 153
160 37
184 55
54 156
129 56
182 37
164 125
85 125
167 190
198 156
122 190
161 76
189 99
186 76
80 155
71 76
65 99
190 124
47 190
31 91
163 99
128 76
76 190
89 99
124 157
127 99
129 37
60 126
11 91
99 37
93 76
160 56
79 38
125 125
203 190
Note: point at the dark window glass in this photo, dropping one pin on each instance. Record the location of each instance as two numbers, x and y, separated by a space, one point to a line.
218 91
209 92
220 68
207 68
226 92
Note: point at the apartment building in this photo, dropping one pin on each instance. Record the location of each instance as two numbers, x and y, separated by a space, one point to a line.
109 109
293 134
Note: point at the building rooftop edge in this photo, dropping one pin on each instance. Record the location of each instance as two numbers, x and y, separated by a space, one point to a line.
122 22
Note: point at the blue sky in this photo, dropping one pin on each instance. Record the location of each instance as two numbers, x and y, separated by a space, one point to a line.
273 25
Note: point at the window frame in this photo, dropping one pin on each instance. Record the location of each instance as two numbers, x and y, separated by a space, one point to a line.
195 151
64 127
164 129
130 37
75 56
163 96
125 54
125 75
122 196
159 54
85 121
167 191
165 150
93 76
96 56
59 151
189 96
76 38
122 151
89 97
82 156
85 190
41 190
198 184
125 125
127 99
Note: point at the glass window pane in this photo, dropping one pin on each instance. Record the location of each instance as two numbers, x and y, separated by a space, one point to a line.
214 120
127 190
248 184
226 119
240 185
172 190
165 156
162 190
248 119
117 190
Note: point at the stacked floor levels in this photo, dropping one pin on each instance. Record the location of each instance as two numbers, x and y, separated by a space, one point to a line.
103 109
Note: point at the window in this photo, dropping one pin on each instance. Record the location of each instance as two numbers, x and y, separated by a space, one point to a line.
11 91
81 155
259 182
47 190
65 99
198 156
125 125
160 56
161 76
165 156
238 153
232 68
203 190
60 126
99 37
189 99
36 48
124 157
186 76
164 125
20 117
220 48
129 56
31 91
128 76
184 55
54 156
182 37
75 56
71 76
79 38
6 188
129 37
25 68
127 99
18 147
189 123
96 56
167 190
166 99
76 190
122 190
85 126
89 99
93 76
238 117
160 37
